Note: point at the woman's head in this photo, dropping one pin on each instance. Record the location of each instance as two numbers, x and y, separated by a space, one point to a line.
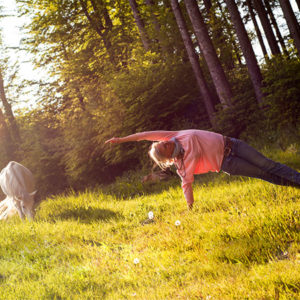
161 153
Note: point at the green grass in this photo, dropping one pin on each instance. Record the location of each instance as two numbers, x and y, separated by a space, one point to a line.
241 241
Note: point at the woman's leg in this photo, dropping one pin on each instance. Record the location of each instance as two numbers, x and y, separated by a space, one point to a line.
246 161
234 165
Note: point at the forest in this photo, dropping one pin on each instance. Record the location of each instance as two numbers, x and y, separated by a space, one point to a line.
116 67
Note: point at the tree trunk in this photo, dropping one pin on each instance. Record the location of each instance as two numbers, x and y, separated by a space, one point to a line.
70 82
258 33
108 21
298 4
99 28
291 22
174 33
229 30
252 65
274 23
221 42
167 3
140 24
8 112
194 60
215 68
259 7
208 5
156 25
5 137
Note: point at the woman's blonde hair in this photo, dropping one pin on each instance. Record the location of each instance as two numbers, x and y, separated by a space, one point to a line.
162 161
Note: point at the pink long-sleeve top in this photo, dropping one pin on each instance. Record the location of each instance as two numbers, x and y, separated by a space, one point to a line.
204 151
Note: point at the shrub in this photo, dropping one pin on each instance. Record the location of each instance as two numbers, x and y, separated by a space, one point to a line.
282 89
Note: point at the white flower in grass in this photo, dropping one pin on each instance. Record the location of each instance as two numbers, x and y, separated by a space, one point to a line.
136 261
150 215
177 223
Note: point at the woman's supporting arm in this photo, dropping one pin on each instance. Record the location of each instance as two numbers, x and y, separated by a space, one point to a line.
188 194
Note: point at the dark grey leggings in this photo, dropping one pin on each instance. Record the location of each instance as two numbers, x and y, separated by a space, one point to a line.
246 161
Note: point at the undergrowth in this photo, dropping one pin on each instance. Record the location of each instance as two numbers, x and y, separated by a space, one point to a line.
241 241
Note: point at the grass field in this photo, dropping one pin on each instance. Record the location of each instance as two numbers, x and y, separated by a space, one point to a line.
241 241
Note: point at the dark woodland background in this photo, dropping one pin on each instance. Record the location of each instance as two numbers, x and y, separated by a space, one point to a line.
123 66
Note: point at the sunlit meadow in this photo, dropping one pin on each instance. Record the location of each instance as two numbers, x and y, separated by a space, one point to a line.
134 241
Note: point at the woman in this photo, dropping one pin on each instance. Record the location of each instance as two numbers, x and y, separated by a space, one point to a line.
197 151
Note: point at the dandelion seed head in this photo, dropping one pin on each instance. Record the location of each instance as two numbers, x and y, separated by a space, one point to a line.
177 223
136 261
150 215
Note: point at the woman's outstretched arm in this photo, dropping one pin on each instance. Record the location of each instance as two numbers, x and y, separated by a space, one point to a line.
115 140
159 135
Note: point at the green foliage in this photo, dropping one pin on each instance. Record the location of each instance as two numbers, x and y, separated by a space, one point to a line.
157 95
42 150
240 241
244 116
282 89
102 83
161 90
222 36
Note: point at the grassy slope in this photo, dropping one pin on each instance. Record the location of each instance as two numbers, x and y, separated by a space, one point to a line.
240 242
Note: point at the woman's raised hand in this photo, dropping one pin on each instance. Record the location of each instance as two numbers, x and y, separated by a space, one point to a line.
113 140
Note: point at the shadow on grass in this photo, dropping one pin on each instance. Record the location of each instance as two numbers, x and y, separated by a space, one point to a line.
85 215
126 189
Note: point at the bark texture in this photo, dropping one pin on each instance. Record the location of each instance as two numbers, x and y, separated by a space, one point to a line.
208 51
259 7
256 27
140 24
292 23
194 60
251 61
